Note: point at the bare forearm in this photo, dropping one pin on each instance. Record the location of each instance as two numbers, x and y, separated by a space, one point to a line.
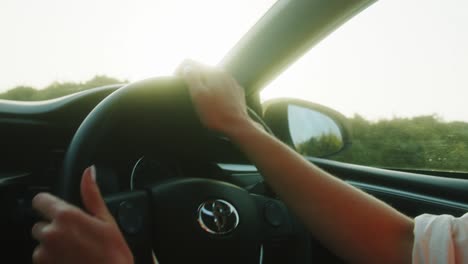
371 233
355 225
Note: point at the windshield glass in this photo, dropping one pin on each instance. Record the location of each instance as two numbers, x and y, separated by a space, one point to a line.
66 44
399 72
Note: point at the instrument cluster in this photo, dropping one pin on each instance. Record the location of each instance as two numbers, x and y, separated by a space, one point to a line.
149 170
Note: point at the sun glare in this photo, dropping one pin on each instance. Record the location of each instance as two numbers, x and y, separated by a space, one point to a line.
412 65
53 40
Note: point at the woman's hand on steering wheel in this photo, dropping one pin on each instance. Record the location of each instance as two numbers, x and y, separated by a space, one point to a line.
69 234
218 99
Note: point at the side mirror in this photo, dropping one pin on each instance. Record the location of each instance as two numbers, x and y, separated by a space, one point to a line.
311 129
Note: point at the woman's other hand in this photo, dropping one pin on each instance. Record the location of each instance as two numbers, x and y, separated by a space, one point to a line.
71 235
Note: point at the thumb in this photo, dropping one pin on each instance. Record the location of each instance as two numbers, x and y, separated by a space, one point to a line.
91 196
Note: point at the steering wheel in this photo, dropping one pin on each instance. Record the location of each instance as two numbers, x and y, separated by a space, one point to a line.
182 219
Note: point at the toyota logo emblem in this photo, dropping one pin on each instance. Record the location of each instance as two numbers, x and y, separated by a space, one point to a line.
217 217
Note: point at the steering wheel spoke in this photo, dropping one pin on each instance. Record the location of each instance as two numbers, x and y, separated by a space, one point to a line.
284 238
131 211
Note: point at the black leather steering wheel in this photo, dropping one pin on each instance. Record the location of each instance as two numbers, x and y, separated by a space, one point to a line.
182 219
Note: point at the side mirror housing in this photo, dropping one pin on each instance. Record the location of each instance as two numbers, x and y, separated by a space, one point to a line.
311 129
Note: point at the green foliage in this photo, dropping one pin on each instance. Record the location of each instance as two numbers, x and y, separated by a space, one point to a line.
424 142
56 89
20 93
326 144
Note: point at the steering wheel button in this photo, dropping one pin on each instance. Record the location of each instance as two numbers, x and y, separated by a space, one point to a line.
130 217
273 214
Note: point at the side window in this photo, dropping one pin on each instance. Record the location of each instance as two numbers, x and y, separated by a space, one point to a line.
399 72
425 142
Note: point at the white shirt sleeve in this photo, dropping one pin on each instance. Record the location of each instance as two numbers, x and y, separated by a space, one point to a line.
440 239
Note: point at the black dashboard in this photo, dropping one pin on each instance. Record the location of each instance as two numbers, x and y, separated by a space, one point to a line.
34 137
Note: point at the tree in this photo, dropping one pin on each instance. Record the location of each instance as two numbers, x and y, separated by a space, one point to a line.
56 89
324 145
19 93
423 142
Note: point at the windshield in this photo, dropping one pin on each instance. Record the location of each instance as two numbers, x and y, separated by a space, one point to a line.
399 72
65 44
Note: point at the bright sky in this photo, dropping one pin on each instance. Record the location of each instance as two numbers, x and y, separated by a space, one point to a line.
397 58
67 40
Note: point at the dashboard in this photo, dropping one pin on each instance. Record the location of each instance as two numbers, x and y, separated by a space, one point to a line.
35 136
149 170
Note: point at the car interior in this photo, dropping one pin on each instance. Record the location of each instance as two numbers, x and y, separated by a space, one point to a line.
157 164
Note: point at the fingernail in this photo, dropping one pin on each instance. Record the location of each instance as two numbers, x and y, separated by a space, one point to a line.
92 169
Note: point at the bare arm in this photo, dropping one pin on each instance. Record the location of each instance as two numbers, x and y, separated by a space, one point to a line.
354 225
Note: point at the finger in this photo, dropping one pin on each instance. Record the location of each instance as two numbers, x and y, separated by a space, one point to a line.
195 75
192 64
217 79
47 205
91 196
180 69
38 230
39 255
196 84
